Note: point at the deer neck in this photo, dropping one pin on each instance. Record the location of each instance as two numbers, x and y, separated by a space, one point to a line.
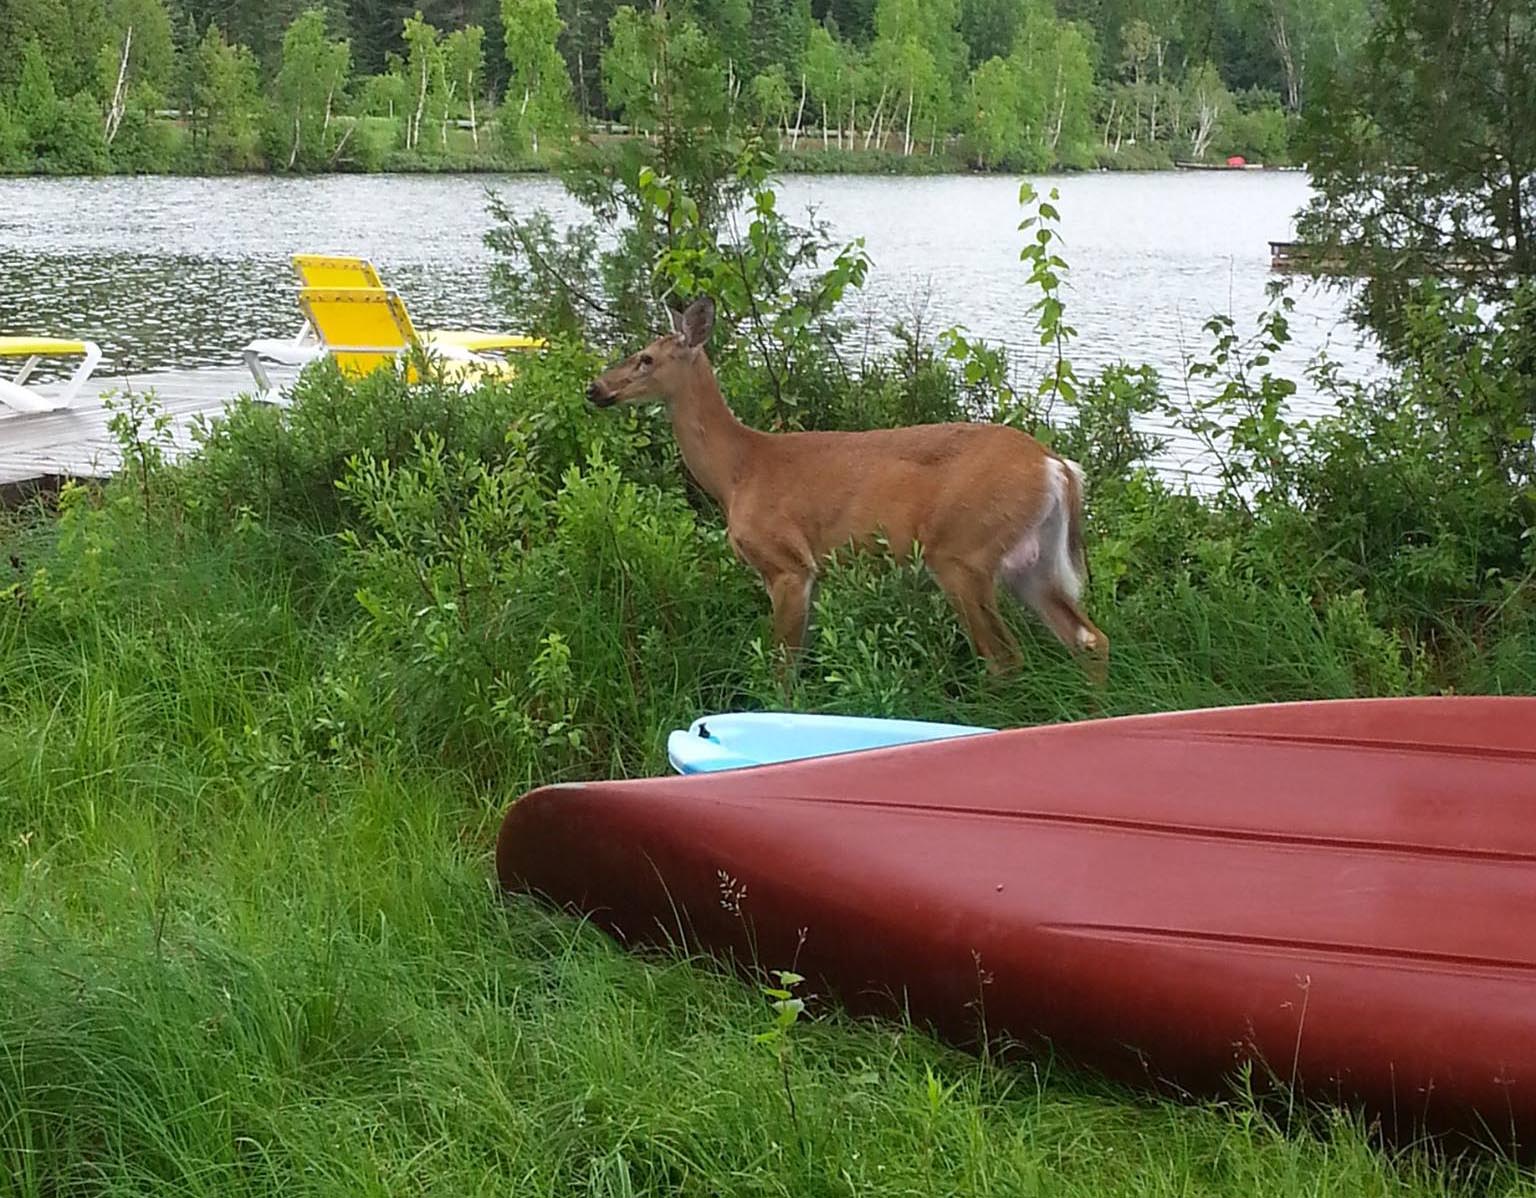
713 442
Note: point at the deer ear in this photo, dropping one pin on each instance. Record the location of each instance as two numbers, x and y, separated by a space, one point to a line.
698 322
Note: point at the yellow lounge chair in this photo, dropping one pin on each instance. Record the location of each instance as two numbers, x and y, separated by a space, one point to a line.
364 328
338 272
13 392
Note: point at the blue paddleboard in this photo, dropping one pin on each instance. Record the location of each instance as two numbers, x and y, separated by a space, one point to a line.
734 740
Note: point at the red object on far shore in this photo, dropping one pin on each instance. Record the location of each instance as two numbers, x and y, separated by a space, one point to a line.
1344 892
1236 160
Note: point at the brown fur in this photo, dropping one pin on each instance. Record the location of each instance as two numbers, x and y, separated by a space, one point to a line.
967 493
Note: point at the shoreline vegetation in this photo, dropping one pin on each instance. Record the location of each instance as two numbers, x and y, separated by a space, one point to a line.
464 159
886 86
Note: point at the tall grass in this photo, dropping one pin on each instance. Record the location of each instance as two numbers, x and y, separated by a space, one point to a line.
227 973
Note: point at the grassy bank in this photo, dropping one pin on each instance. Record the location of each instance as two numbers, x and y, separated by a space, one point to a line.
263 711
375 145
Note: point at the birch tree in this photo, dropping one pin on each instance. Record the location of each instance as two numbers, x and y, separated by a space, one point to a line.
540 86
464 68
138 58
314 70
424 73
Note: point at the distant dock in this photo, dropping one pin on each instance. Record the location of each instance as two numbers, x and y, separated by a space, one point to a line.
1287 256
1299 256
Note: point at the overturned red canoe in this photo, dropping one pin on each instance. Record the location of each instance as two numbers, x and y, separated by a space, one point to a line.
1343 892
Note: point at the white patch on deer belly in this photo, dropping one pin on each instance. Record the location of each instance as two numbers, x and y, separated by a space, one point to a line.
1024 554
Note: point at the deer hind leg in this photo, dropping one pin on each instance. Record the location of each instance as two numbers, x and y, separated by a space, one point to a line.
1055 605
973 594
1039 570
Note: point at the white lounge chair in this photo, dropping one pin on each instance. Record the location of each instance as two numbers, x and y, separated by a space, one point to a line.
14 392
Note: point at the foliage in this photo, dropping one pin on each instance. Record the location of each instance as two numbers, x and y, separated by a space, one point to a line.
143 28
428 95
302 133
14 149
464 69
885 83
226 99
772 100
1422 155
540 87
60 134
387 95
1034 108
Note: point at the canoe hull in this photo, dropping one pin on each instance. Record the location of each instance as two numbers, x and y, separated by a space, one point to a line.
1341 892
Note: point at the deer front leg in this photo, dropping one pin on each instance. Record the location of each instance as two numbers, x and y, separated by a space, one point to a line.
790 592
788 569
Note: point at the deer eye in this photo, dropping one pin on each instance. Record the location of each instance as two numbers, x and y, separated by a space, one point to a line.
646 360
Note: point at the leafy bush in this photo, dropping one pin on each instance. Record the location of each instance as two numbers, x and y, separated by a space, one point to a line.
67 138
144 144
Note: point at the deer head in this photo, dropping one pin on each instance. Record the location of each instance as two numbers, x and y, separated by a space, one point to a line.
661 369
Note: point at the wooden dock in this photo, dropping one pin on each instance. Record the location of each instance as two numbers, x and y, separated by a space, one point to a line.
1361 262
42 448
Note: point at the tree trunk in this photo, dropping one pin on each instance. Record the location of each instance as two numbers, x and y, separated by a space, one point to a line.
119 100
293 155
1205 128
1061 108
474 126
1110 119
907 137
874 121
1282 40
522 115
794 138
826 133
1518 248
413 130
1136 94
578 35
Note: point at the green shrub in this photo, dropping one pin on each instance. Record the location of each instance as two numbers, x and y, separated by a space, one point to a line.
145 145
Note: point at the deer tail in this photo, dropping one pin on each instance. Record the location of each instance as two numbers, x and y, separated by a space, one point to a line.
1074 506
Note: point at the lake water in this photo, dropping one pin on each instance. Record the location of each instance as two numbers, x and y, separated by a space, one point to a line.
177 272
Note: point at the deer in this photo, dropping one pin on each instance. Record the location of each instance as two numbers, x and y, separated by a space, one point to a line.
986 503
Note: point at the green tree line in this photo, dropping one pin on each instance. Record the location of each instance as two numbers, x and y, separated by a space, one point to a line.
152 85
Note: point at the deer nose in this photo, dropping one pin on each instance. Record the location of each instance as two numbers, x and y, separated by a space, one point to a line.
597 394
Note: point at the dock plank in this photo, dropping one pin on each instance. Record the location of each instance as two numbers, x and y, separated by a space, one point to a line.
78 442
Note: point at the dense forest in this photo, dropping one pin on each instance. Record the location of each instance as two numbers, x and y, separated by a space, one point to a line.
231 85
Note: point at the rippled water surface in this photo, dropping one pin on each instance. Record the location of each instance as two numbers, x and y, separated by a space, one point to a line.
175 271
